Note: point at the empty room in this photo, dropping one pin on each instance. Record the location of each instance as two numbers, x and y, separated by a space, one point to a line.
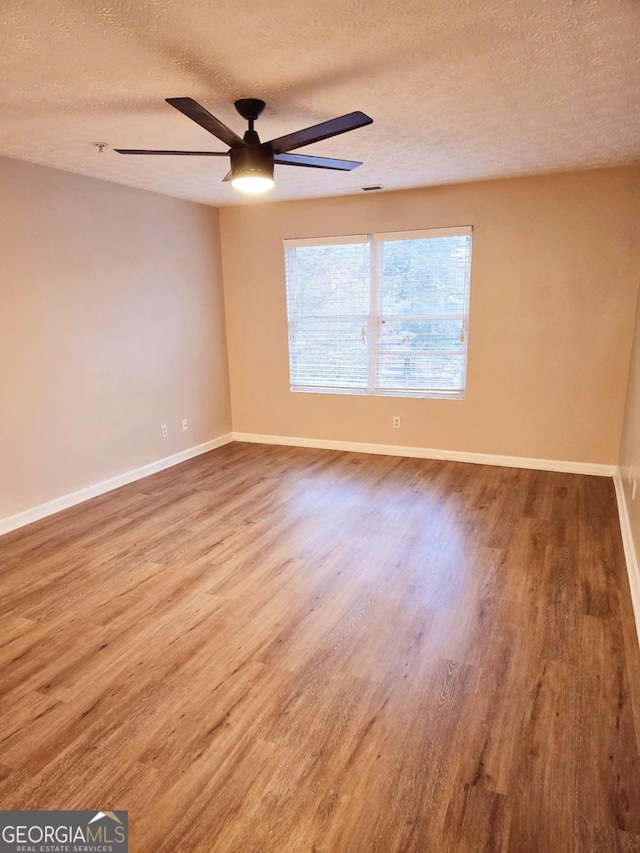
320 426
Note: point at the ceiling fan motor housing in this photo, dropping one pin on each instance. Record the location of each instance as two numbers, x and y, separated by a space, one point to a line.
255 159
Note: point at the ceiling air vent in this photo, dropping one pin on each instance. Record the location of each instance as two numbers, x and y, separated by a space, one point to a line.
373 188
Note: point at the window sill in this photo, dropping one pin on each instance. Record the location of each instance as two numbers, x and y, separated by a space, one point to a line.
383 392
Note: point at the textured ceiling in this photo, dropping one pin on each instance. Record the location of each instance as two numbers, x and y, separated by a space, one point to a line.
458 89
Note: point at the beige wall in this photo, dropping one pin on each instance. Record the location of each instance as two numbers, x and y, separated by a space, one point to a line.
630 443
111 324
554 280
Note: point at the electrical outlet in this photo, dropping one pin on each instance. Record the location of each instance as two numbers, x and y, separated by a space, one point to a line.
396 422
185 424
633 491
165 431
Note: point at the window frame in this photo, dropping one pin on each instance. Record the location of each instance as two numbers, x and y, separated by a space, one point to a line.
375 318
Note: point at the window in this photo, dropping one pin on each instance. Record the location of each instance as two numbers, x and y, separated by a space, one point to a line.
380 313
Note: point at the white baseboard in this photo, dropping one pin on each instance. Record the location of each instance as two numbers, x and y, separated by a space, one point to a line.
431 453
13 522
633 570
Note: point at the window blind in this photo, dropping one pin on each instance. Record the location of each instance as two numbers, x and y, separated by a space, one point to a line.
383 314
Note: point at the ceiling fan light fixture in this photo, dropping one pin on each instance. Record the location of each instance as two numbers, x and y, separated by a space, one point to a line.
252 182
251 169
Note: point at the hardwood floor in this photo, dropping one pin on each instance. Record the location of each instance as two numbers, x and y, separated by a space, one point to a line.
279 650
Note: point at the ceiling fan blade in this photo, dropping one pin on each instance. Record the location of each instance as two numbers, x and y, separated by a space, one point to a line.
178 153
228 176
316 162
192 109
324 130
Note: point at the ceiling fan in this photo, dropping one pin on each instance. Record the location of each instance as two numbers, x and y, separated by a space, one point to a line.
252 161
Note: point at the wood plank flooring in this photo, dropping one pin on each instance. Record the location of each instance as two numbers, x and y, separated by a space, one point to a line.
276 650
